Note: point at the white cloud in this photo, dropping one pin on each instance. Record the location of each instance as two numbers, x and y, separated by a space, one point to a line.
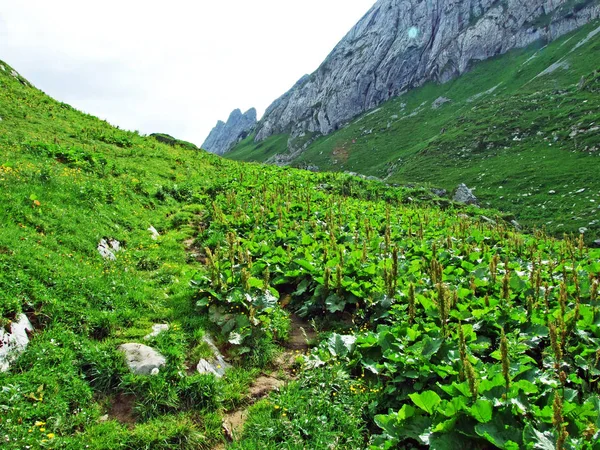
176 66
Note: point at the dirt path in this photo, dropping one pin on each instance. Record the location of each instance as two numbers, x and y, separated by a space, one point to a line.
301 334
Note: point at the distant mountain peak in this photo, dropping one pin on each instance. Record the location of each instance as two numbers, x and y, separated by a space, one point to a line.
225 135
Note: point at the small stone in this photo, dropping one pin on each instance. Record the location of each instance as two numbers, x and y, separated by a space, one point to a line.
155 234
465 195
103 418
583 230
156 330
488 220
596 243
218 365
141 359
552 192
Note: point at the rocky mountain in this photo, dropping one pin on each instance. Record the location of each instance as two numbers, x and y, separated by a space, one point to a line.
225 135
401 44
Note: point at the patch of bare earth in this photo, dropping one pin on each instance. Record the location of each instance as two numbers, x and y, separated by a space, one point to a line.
301 334
122 409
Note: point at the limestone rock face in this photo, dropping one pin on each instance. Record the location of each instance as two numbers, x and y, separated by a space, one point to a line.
401 44
141 359
15 341
225 135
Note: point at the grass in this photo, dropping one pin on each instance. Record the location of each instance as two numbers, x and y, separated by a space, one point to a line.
248 150
507 132
67 180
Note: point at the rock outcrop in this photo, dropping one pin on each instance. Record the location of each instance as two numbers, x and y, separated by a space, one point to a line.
107 247
14 341
141 359
215 365
401 44
225 135
465 195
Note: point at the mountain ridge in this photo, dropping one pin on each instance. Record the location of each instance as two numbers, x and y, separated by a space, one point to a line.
398 46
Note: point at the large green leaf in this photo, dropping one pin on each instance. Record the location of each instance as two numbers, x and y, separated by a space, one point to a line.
541 441
482 410
341 345
447 441
427 401
498 434
430 346
406 412
335 303
306 265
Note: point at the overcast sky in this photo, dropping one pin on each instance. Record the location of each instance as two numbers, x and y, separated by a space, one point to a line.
171 66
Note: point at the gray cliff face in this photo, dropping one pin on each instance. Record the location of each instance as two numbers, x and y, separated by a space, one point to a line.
401 44
225 135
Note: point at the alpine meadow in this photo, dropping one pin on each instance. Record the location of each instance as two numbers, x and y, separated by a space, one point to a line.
316 284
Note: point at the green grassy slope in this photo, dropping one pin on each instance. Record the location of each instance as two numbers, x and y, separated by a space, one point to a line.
436 328
248 150
510 131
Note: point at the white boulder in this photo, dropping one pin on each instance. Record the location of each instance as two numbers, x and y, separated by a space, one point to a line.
14 342
141 359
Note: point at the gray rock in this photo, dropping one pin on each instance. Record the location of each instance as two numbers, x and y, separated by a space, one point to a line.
217 366
400 45
464 195
14 342
141 359
107 247
225 135
156 330
439 102
488 220
155 234
439 192
596 243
